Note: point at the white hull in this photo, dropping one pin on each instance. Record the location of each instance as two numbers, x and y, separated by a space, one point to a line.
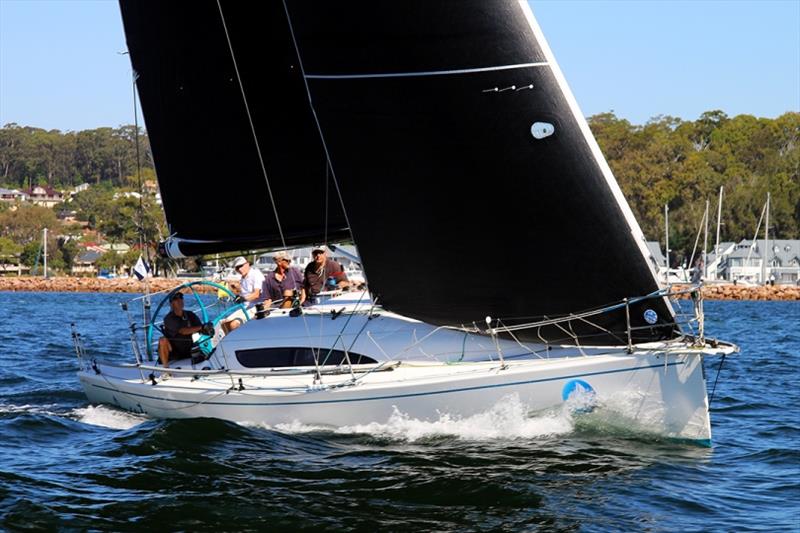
659 393
410 367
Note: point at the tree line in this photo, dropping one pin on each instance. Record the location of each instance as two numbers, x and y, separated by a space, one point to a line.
665 161
683 163
33 156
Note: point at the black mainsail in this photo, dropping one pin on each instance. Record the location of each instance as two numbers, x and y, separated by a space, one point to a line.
220 97
470 181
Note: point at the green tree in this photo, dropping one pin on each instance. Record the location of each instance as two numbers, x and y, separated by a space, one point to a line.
69 252
25 224
683 164
9 250
111 261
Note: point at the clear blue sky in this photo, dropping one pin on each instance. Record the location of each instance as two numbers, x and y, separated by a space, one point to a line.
60 68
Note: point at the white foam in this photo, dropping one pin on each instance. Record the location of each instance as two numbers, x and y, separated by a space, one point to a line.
107 417
44 409
627 412
507 419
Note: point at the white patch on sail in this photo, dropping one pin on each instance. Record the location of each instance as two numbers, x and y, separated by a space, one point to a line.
636 231
540 130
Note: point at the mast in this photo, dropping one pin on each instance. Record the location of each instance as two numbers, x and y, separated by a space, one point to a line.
716 247
666 244
766 246
44 239
705 242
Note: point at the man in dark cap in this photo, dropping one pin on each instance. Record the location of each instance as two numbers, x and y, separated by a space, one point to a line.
179 325
324 274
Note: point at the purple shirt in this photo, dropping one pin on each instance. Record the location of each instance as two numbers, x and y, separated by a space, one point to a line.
292 279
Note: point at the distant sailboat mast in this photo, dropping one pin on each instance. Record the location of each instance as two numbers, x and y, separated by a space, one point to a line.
705 241
44 244
755 237
766 245
716 246
666 243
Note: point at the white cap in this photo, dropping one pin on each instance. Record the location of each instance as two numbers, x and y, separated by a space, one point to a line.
239 261
322 248
283 254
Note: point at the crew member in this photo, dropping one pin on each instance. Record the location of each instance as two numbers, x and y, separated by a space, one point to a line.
323 274
179 325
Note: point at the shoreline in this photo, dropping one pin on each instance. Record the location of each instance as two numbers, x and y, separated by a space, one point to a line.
132 285
116 285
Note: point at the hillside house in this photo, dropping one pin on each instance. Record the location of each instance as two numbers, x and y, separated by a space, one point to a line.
84 264
12 196
44 196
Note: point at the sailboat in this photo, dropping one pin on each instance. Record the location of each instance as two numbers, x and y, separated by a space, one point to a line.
431 132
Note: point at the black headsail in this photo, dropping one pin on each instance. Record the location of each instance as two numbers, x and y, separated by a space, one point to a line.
471 182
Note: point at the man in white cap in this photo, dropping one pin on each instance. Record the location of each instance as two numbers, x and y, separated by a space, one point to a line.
252 283
324 274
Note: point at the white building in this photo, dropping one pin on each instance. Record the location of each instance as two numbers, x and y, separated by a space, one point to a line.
44 196
746 262
12 195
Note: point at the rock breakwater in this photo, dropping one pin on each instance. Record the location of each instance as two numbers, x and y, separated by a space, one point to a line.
69 284
729 291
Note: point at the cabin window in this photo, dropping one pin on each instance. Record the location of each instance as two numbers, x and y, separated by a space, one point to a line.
283 357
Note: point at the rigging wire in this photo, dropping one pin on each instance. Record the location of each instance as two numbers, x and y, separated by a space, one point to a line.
252 126
327 179
316 118
714 388
142 235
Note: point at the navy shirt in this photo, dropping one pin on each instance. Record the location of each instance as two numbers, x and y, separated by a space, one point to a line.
181 344
292 279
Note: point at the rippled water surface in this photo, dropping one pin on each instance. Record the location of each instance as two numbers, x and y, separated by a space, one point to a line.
65 464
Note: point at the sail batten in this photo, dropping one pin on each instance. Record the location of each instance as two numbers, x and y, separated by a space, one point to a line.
415 74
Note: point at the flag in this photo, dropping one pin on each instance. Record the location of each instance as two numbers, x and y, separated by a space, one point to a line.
141 269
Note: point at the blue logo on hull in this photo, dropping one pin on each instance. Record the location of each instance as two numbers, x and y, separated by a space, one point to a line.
581 394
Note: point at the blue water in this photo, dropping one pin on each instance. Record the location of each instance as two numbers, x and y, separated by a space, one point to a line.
67 465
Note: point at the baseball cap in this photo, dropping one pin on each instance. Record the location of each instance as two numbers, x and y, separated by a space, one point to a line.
176 296
323 249
239 261
283 254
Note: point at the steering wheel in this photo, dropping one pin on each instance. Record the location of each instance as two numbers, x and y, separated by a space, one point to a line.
205 342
